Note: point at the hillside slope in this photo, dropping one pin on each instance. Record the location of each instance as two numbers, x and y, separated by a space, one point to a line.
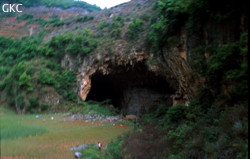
181 66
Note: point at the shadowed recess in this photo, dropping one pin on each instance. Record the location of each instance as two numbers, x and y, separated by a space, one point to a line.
132 89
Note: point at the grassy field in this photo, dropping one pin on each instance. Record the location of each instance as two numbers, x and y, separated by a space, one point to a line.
26 137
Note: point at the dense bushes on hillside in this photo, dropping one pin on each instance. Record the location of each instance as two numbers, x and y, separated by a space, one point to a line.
176 14
15 51
28 65
215 124
80 45
227 60
229 66
215 133
24 83
112 28
24 17
135 28
54 21
84 19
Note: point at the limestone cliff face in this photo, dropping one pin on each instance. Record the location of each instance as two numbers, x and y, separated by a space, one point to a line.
92 65
136 98
128 69
178 57
173 65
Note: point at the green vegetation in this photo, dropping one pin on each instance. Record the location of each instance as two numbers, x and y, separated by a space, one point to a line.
29 67
16 72
115 27
94 108
98 109
190 131
11 128
54 21
82 44
135 28
32 137
102 25
92 152
111 29
84 19
24 17
229 64
214 125
27 78
172 15
112 151
14 51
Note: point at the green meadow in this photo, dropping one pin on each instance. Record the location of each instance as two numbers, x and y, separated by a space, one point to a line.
28 137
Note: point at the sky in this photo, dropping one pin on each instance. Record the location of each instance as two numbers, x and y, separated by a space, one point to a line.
106 3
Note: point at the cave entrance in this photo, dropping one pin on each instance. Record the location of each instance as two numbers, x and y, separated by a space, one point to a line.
131 89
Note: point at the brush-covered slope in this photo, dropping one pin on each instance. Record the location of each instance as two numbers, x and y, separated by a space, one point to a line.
179 65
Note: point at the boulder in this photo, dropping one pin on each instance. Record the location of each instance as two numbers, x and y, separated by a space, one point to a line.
78 154
131 117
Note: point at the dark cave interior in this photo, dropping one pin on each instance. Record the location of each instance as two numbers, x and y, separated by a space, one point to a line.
131 89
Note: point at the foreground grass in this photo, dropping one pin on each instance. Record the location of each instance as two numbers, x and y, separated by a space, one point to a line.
111 151
12 128
26 137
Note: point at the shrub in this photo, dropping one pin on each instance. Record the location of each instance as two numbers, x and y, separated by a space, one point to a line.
145 17
115 33
99 109
172 156
179 135
117 22
156 115
102 25
25 81
176 113
82 44
209 134
50 64
229 65
44 107
33 104
91 152
65 83
45 77
135 28
24 17
84 19
114 149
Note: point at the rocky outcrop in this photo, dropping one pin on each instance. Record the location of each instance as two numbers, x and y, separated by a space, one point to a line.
49 96
173 64
91 65
165 82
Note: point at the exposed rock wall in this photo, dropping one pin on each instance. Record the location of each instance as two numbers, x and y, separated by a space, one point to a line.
91 65
139 97
139 101
173 63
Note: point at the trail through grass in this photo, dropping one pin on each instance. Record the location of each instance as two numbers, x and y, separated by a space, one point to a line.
25 137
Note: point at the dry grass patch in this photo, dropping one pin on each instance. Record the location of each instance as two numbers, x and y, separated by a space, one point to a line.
59 137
